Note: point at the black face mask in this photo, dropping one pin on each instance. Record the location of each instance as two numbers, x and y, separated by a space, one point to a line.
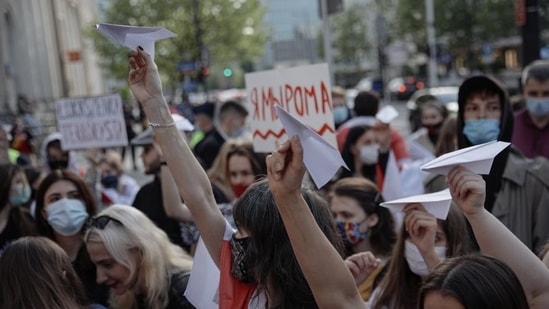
58 164
239 251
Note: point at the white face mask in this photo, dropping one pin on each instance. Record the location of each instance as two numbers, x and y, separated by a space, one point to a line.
415 259
369 154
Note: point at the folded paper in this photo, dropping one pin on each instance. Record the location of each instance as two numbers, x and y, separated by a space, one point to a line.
387 114
321 159
133 36
437 204
478 159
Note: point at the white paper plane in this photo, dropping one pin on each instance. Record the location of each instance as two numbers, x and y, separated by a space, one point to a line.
478 158
133 36
387 114
437 204
322 160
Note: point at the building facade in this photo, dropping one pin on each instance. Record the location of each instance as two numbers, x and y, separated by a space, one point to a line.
44 53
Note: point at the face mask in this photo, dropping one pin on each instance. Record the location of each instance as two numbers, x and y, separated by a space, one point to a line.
238 190
481 131
369 154
341 113
110 181
239 251
415 259
238 132
538 107
58 164
67 216
350 232
21 195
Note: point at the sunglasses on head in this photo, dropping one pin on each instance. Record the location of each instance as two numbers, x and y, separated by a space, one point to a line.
101 222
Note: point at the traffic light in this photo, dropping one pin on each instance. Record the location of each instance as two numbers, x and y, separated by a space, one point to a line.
227 72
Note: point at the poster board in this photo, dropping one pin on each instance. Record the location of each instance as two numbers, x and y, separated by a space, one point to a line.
91 122
305 92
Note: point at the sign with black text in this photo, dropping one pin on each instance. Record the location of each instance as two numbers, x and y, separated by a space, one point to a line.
91 122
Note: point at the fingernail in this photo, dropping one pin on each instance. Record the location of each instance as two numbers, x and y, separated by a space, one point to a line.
141 48
278 166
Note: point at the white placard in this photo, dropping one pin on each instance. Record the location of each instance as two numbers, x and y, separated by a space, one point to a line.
91 122
304 92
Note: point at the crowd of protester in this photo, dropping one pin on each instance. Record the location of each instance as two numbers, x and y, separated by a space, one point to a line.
76 235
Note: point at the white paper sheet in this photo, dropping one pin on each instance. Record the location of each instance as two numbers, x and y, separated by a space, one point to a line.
322 160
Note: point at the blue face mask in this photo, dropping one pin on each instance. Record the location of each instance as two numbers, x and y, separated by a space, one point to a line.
481 131
67 216
21 195
341 113
110 182
538 106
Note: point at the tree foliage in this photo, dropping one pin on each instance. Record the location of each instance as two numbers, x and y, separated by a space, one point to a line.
231 31
349 36
462 22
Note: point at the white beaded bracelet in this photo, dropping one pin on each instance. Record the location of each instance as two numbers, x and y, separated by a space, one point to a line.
161 125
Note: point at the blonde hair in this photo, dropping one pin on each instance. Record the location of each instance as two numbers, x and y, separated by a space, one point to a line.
114 160
159 258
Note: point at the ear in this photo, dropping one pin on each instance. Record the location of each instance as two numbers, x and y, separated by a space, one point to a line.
372 220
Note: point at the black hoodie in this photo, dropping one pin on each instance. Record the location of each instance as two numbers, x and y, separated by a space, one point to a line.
477 84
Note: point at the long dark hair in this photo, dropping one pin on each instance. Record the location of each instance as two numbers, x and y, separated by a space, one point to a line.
36 273
475 281
272 260
382 236
20 217
367 171
400 286
44 229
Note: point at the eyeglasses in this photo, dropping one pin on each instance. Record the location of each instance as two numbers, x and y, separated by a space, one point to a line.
101 222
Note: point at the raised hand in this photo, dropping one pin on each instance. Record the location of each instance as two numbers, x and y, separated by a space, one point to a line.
285 168
144 79
468 190
361 265
383 136
421 227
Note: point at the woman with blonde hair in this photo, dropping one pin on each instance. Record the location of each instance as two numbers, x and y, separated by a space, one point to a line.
136 260
36 273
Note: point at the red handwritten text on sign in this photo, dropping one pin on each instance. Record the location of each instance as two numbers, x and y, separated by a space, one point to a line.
296 99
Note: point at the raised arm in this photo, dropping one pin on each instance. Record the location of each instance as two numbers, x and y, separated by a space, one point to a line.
468 191
192 182
329 278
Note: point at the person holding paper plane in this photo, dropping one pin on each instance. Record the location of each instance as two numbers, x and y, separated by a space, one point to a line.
516 187
256 263
423 242
469 193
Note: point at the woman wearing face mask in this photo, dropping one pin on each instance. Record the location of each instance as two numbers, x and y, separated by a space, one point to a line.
136 259
423 242
117 187
433 114
363 224
15 191
63 204
366 153
258 268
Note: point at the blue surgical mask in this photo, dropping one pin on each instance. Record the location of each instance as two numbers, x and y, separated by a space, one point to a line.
67 216
341 113
21 195
481 131
538 106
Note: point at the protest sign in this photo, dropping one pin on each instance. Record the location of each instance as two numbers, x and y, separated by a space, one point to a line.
304 92
91 122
